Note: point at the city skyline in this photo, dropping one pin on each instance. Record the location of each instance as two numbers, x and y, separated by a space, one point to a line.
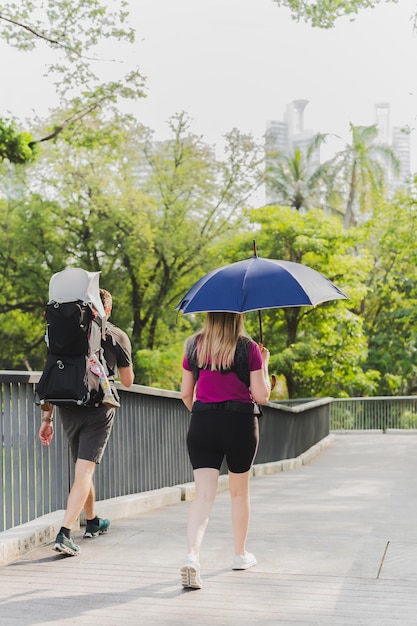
289 133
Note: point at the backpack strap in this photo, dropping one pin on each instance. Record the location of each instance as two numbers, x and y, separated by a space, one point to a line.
191 352
240 362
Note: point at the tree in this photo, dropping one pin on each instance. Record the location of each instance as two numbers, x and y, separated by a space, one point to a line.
16 146
199 200
73 32
30 250
320 350
146 214
389 310
298 180
362 166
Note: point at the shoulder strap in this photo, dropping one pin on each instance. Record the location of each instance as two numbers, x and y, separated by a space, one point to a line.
241 360
191 353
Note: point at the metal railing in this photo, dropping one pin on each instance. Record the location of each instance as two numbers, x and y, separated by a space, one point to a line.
377 413
147 449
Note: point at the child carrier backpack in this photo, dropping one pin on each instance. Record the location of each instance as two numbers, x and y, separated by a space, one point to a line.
75 372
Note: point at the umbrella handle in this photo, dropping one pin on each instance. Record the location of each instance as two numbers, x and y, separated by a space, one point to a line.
260 327
273 377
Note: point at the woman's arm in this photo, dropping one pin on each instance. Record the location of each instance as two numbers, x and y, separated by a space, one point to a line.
187 388
260 386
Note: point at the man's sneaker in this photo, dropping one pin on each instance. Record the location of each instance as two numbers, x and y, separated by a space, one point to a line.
190 573
93 530
244 562
65 545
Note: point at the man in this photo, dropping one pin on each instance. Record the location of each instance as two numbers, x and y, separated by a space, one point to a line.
88 430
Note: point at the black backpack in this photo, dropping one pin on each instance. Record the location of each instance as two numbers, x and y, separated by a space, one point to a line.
73 334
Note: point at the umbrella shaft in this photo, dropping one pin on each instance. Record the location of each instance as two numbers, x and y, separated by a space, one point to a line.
260 327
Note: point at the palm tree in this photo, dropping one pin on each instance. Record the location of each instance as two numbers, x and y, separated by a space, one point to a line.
362 166
298 180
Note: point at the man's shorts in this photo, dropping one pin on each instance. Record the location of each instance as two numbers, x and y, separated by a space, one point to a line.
88 430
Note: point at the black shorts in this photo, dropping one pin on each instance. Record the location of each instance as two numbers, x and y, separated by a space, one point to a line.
88 430
215 434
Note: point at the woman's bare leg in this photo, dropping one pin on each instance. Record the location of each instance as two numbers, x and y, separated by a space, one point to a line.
239 493
206 480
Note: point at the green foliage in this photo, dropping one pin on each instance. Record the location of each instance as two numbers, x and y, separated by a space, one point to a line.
389 311
153 217
16 146
324 13
298 180
28 241
160 368
320 350
361 168
73 29
145 214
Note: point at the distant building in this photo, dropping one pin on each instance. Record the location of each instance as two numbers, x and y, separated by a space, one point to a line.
398 138
286 136
289 134
401 147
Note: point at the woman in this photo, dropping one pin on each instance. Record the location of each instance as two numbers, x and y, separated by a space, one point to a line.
227 373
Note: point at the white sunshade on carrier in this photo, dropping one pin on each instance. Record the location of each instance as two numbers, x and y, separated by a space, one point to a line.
76 284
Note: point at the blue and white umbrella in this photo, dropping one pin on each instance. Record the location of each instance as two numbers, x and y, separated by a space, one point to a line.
256 284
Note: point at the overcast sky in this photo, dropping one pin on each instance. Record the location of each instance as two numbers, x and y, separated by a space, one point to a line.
237 63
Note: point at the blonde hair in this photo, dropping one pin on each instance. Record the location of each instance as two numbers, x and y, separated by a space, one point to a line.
218 338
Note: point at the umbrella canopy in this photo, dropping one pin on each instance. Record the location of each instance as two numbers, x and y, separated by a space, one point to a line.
257 284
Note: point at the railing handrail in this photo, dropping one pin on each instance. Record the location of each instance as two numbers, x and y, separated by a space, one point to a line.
22 376
371 398
300 408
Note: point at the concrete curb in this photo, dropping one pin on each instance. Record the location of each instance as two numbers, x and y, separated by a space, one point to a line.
19 540
126 506
289 464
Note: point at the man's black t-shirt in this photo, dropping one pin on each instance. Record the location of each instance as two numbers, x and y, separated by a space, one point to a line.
117 349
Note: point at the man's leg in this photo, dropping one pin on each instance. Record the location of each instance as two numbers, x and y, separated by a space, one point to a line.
89 504
81 494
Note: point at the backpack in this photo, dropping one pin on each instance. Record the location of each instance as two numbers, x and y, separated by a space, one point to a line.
240 362
73 337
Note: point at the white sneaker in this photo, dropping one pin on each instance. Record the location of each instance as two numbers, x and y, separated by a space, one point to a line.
190 572
244 562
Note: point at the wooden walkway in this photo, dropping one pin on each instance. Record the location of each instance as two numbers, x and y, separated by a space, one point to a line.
336 543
